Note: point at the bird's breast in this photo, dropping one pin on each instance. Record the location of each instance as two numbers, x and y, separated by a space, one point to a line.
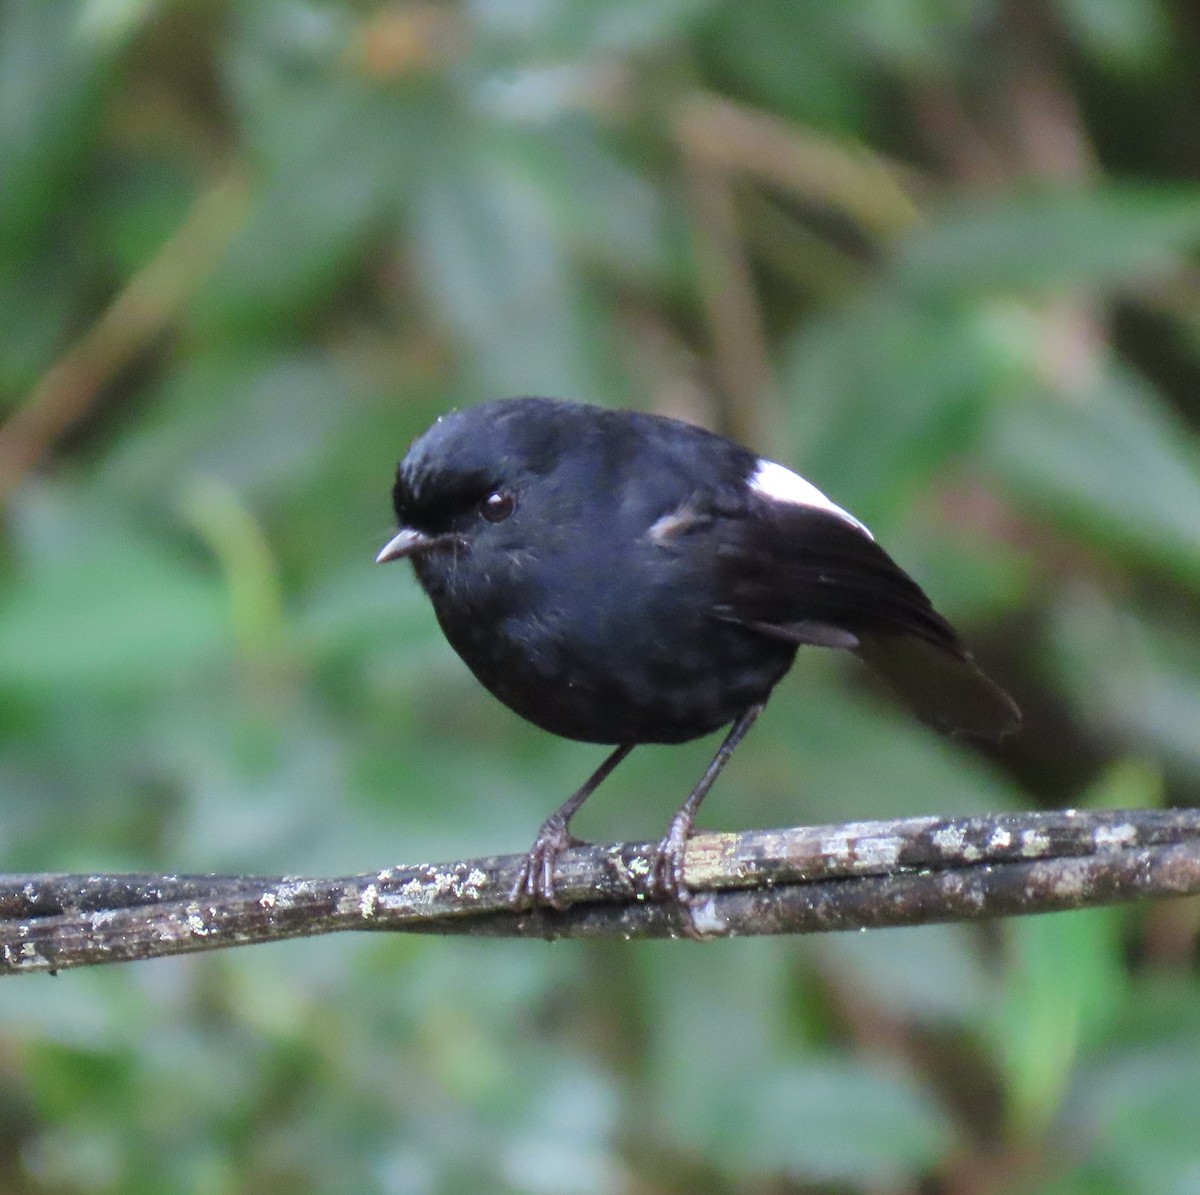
615 654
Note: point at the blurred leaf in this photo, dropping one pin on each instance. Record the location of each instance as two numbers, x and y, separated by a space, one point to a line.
115 21
884 392
39 297
114 611
278 40
1113 465
570 28
52 80
567 1146
50 89
1131 678
706 1067
266 790
838 1122
130 616
970 576
138 209
1161 1005
486 244
1111 235
1126 34
735 1092
607 212
250 571
310 222
1137 1114
927 973
913 34
1064 984
1087 1179
794 58
1063 977
254 421
832 755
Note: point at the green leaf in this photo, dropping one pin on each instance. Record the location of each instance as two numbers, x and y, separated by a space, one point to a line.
52 81
50 87
253 420
970 576
824 754
1112 464
605 211
109 611
585 28
40 292
803 61
1053 241
1137 1116
915 35
1064 978
1127 35
738 1092
310 221
885 392
486 242
839 1122
927 974
1064 984
1131 677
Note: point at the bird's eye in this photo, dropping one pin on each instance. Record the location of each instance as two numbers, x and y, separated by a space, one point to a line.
498 506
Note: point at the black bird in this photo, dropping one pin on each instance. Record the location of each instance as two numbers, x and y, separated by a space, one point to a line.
623 578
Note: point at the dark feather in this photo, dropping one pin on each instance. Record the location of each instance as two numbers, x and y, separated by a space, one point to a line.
807 576
943 687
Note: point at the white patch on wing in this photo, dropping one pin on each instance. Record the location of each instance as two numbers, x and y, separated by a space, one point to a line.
672 523
780 484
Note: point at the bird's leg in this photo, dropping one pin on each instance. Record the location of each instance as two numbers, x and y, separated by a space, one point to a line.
536 881
667 878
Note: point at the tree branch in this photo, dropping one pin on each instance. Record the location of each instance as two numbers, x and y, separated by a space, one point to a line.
865 874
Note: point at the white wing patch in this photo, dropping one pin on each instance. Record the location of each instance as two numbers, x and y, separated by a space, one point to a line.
780 484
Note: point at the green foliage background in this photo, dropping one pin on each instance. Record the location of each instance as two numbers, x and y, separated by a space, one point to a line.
939 254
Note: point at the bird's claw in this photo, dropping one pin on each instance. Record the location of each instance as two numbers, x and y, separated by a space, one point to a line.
667 876
535 881
667 881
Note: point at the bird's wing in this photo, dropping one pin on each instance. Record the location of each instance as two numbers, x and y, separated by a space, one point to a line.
811 576
784 565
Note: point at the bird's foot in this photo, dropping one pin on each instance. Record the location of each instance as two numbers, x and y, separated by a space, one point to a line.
535 882
666 877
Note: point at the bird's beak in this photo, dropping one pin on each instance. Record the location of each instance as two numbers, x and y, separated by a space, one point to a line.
406 542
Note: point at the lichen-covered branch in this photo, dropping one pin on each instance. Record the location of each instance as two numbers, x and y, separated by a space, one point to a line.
805 880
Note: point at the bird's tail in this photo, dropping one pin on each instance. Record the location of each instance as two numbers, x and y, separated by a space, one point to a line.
943 687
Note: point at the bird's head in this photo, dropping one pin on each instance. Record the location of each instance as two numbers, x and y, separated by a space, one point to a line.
474 478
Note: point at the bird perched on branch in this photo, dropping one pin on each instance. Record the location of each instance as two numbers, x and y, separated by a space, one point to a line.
623 578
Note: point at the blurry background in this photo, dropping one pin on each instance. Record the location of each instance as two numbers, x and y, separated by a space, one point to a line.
938 254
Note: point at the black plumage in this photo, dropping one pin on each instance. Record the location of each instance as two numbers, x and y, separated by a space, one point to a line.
623 578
